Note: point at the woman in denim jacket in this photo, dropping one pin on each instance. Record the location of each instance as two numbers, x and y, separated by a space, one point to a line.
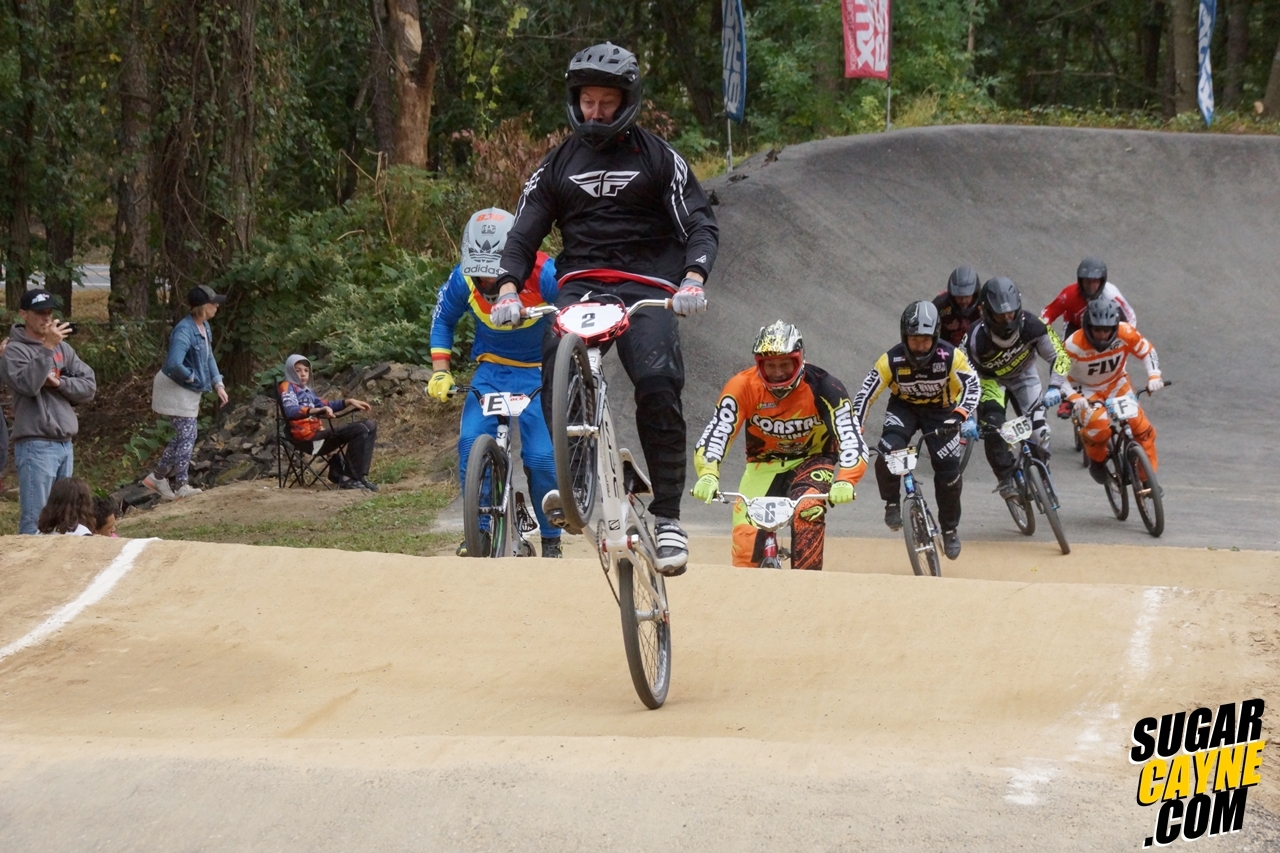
189 371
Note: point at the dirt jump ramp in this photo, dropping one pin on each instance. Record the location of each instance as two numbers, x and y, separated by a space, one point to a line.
234 697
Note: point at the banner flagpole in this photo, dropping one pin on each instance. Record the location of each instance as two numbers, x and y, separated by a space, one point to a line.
733 43
728 126
888 104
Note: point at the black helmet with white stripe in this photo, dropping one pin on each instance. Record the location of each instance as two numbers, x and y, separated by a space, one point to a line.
920 318
1102 323
1094 270
1002 310
613 67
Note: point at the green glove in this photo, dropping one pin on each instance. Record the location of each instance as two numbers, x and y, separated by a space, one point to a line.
841 492
706 487
440 384
813 513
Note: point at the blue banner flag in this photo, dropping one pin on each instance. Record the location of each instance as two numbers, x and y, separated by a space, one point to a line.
1204 91
733 42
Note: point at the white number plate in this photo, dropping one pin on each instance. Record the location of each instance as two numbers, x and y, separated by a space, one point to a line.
1124 407
510 405
591 319
1018 429
770 513
901 461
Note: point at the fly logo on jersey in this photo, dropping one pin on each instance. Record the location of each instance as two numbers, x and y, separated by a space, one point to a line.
717 437
601 184
784 426
848 435
1106 365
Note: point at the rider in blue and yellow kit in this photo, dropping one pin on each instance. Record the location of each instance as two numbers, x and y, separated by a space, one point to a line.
510 358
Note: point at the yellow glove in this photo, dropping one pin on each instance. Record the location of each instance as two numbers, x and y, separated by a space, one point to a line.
440 384
814 511
841 492
706 487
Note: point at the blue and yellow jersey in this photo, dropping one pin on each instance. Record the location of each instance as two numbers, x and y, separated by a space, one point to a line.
519 346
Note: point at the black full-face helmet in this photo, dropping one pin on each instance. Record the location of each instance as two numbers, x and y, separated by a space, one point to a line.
963 282
1102 323
920 318
1002 310
1091 268
604 65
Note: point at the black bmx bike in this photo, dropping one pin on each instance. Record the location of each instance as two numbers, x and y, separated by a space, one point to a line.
1129 468
1035 486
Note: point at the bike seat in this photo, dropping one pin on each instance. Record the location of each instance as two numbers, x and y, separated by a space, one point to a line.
633 479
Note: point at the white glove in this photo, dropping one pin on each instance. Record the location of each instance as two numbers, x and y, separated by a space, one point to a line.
1154 384
690 298
1080 409
506 311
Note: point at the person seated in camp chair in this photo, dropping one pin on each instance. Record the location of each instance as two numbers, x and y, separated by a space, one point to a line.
311 418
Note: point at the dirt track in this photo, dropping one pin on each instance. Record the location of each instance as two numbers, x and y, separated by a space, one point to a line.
312 677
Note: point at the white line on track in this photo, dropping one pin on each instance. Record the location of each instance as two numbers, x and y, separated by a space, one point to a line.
93 593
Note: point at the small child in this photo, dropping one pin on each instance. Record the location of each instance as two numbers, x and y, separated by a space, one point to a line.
105 513
69 509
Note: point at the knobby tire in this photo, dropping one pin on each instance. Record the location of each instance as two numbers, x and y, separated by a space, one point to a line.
1150 505
483 497
647 641
1114 485
1040 489
574 404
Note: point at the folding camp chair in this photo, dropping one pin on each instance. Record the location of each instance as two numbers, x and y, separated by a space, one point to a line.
300 463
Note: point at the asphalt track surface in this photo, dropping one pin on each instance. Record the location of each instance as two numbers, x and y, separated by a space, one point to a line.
224 697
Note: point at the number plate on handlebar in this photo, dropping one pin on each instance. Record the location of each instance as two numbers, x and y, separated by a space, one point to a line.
594 322
1018 429
900 461
1123 407
498 405
770 513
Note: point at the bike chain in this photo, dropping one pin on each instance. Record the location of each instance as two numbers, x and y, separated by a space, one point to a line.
604 562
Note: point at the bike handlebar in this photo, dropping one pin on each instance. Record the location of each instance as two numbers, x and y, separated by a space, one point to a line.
730 497
543 310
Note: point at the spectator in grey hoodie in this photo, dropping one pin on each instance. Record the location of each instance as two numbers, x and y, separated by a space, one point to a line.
47 378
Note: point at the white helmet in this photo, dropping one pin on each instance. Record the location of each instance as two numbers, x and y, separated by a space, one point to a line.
483 240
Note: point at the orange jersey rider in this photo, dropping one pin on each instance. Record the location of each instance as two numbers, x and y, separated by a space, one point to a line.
802 439
1099 353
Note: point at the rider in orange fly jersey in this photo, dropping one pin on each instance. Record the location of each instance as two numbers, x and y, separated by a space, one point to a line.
802 439
1099 354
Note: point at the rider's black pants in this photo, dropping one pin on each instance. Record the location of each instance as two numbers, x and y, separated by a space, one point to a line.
903 420
650 354
991 414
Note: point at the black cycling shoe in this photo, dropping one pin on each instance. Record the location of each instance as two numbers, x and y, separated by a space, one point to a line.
1098 471
951 543
1008 489
893 516
551 548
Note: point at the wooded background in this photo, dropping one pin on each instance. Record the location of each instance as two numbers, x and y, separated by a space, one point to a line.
266 146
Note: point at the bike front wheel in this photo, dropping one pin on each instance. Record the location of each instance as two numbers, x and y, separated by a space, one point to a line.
646 630
1044 497
1114 484
574 436
922 546
1022 510
1146 490
485 500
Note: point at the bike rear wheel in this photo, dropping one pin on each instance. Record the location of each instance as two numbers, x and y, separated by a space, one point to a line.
1044 497
1146 490
485 501
573 437
646 630
1114 484
922 546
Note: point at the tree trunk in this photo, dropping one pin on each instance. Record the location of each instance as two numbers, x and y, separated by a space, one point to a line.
1150 35
1237 51
131 257
680 50
379 83
58 208
1271 104
1186 54
240 110
417 41
18 176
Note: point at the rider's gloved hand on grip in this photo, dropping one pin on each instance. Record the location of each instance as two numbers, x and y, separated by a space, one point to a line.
1052 397
1154 384
969 429
506 311
841 492
1080 408
440 384
690 298
706 487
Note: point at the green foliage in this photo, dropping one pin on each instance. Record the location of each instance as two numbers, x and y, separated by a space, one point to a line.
123 348
148 440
